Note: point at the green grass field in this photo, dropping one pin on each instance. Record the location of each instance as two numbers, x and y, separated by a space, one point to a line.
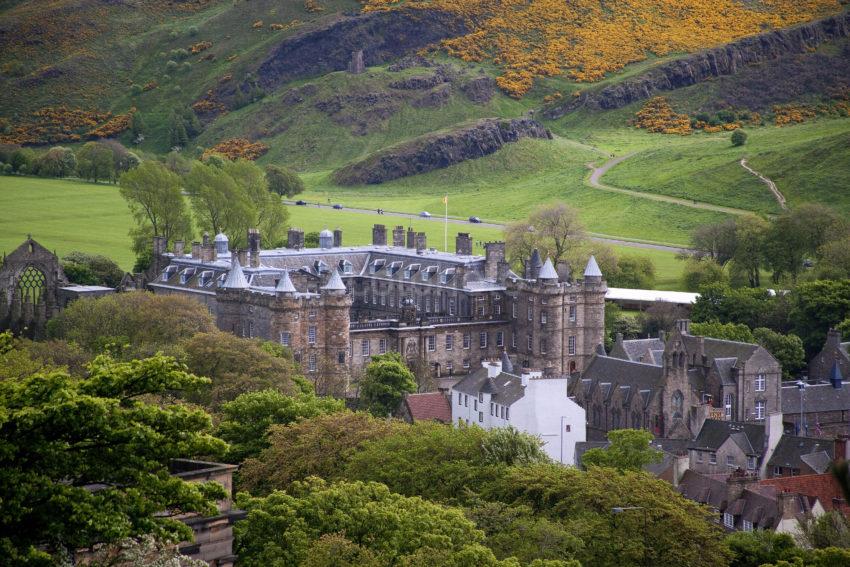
71 215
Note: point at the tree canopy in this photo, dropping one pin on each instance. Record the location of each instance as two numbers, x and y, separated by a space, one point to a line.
86 461
630 450
386 381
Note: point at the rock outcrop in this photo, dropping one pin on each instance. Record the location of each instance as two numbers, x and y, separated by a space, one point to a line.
436 151
382 36
712 63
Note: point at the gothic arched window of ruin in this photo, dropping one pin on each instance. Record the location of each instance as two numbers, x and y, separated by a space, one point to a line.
677 403
31 285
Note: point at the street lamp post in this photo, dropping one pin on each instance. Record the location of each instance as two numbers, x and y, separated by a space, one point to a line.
619 510
802 387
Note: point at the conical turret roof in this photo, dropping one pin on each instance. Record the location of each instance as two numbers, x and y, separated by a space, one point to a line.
507 365
535 261
235 277
592 269
335 283
285 284
547 272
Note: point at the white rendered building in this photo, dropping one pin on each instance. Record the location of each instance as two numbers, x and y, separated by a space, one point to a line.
494 396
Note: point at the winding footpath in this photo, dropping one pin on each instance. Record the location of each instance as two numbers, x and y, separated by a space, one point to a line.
596 174
780 198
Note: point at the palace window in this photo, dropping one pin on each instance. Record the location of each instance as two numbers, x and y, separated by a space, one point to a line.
530 343
452 306
572 313
531 313
513 340
382 346
760 382
466 363
500 339
432 343
544 346
311 335
450 342
482 340
544 318
467 340
340 357
571 345
364 347
285 338
311 363
497 309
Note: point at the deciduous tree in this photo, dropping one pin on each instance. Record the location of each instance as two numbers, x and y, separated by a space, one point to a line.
630 450
283 181
95 162
386 381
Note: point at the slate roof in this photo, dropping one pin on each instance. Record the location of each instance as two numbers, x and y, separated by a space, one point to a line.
720 348
547 272
335 283
637 348
620 371
816 398
429 406
285 284
793 452
235 277
703 489
723 367
715 432
592 269
505 388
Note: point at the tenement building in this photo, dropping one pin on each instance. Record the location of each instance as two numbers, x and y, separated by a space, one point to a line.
335 306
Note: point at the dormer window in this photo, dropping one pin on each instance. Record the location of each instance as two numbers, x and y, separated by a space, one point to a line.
447 275
377 266
320 267
169 271
410 270
393 268
205 278
428 272
220 281
186 275
346 267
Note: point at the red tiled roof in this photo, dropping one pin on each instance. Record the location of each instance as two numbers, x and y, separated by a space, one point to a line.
822 486
433 405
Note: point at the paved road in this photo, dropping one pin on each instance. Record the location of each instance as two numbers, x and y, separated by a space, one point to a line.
500 226
780 198
597 173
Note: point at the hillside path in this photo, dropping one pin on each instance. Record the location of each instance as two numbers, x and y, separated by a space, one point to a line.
780 198
457 220
596 174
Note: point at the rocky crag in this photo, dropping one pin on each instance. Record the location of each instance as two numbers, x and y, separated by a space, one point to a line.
707 65
436 151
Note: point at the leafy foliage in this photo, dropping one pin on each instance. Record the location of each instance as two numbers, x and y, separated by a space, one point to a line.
726 331
386 381
245 421
283 181
60 436
630 450
91 269
509 446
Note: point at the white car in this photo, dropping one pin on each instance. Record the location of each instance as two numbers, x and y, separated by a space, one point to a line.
425 215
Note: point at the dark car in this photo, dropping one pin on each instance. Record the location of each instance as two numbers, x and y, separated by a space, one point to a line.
338 206
300 202
475 220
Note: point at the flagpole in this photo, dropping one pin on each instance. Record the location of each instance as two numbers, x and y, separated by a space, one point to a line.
446 225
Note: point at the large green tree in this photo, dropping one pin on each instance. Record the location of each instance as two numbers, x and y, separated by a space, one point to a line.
553 229
283 181
726 331
281 527
95 162
245 421
817 306
156 202
267 212
386 381
787 348
91 269
86 461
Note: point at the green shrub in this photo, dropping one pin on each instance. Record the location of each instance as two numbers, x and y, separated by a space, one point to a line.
739 138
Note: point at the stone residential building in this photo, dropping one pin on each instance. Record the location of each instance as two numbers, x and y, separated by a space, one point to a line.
496 395
825 406
670 385
335 306
834 353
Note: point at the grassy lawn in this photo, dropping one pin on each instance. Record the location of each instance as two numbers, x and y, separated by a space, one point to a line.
506 185
70 215
65 216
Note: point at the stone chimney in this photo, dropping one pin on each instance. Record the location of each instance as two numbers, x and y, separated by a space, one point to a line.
833 339
337 237
254 247
737 483
840 448
379 235
295 238
421 242
243 257
494 260
160 245
196 250
356 66
684 326
206 239
398 236
773 429
411 237
565 274
463 244
178 247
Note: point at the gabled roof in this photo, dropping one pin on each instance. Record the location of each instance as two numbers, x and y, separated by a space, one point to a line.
235 277
429 406
793 452
592 269
637 348
623 372
505 388
748 436
720 348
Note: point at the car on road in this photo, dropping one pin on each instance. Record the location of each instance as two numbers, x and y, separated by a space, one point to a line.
301 203
338 206
425 215
474 220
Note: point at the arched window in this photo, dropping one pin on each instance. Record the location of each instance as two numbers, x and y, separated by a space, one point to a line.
677 403
31 285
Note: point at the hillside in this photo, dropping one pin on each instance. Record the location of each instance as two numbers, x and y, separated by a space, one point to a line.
278 74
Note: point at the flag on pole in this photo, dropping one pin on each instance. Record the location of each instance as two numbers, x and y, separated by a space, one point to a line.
445 199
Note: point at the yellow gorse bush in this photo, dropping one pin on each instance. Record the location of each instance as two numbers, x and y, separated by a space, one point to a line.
589 38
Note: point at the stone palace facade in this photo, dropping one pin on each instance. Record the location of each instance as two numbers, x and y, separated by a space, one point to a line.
335 306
